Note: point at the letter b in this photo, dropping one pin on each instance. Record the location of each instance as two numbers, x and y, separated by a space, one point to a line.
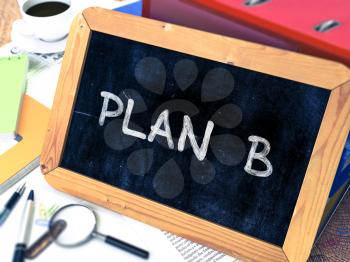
259 156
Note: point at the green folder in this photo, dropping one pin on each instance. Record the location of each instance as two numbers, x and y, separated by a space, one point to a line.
13 72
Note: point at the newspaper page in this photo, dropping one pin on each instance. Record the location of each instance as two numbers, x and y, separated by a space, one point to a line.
194 252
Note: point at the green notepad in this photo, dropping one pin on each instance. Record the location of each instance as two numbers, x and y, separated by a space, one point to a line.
13 72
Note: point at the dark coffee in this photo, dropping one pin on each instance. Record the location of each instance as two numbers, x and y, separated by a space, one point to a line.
47 9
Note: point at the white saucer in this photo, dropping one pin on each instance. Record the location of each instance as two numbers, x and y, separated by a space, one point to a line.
35 45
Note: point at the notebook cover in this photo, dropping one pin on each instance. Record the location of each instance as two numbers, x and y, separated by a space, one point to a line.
32 126
13 72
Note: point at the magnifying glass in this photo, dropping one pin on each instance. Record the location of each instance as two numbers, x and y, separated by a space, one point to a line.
81 226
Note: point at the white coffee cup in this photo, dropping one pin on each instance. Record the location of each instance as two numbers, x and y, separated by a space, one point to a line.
48 28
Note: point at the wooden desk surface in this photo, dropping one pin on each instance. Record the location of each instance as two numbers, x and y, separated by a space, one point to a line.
8 13
333 244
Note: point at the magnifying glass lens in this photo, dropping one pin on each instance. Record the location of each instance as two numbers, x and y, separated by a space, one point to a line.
80 221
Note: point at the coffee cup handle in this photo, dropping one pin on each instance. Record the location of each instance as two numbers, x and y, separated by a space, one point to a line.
22 27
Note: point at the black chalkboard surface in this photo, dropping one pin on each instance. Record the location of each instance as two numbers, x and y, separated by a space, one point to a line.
241 104
227 143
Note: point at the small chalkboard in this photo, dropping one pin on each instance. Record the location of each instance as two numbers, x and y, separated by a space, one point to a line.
228 143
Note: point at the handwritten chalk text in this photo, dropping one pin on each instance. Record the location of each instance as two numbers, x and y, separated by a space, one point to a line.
187 132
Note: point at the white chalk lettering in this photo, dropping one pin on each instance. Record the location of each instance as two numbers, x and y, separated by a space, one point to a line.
163 118
104 112
187 130
259 156
162 128
126 121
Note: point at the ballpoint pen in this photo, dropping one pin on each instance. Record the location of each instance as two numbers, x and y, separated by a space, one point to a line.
25 229
11 203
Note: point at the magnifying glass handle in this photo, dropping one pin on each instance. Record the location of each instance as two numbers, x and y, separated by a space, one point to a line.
127 247
123 245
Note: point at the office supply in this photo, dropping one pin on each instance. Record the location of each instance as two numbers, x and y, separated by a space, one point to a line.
46 239
243 183
129 230
323 33
82 226
25 229
187 13
24 156
12 85
192 251
11 203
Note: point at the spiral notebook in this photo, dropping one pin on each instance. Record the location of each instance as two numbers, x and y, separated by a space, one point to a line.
13 72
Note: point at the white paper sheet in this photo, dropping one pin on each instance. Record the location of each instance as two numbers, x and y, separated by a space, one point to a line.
194 252
6 144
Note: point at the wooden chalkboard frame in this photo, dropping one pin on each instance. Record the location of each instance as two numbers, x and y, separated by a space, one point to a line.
321 169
